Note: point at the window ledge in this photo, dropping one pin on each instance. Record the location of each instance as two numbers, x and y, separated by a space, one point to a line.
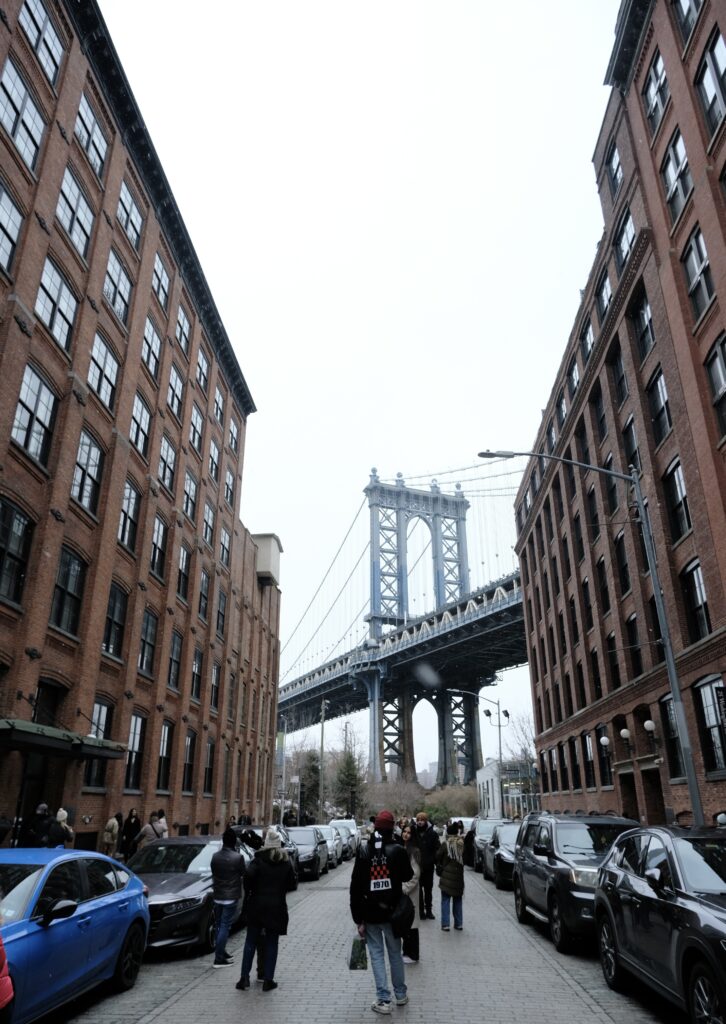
66 636
717 775
113 658
131 792
705 315
95 790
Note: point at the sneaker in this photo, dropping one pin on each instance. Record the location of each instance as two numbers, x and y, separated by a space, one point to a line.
381 1007
242 984
459 927
402 1001
408 960
223 963
268 986
228 957
445 928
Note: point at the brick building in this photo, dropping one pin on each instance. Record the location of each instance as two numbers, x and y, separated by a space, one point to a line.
643 383
138 617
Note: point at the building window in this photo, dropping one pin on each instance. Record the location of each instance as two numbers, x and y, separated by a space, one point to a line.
175 392
676 176
56 305
598 408
655 93
561 408
656 644
89 134
68 593
219 406
197 669
602 585
603 753
686 12
16 533
135 755
19 115
573 377
643 324
151 349
595 673
659 409
103 372
624 240
670 736
696 605
208 525
698 273
577 535
158 547
553 770
140 426
604 294
113 633
588 760
195 428
630 445
214 460
160 281
183 330
221 612
716 367
593 518
163 771
86 484
182 580
564 774
190 749
129 520
233 435
709 701
147 647
679 514
636 657
10 223
611 486
587 604
167 463
229 487
203 594
231 701
34 416
551 436
582 445
101 721
75 213
711 82
615 170
617 369
621 560
117 287
224 544
214 692
203 370
190 496
175 656
209 767
129 215
43 37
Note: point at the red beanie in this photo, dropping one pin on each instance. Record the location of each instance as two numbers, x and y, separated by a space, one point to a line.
384 821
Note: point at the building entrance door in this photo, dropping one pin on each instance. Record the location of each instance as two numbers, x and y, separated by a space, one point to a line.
629 796
653 792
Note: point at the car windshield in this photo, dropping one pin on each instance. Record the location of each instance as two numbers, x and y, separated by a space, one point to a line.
174 858
302 836
485 828
587 839
327 831
17 882
508 834
704 863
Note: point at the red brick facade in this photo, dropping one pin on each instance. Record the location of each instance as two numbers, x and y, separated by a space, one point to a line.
95 266
645 388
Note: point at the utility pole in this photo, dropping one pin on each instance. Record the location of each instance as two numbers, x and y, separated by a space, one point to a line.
323 704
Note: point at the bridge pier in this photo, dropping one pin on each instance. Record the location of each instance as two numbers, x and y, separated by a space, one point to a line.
376 765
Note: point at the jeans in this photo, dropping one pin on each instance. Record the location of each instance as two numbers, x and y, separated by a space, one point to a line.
376 936
223 918
458 906
270 940
426 883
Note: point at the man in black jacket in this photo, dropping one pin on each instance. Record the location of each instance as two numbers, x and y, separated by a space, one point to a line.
428 841
228 868
381 867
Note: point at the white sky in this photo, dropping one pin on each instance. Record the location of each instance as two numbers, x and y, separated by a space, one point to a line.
395 208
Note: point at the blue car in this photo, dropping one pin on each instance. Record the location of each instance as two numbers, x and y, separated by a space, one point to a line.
69 919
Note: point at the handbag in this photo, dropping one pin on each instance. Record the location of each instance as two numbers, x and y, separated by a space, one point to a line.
358 959
402 916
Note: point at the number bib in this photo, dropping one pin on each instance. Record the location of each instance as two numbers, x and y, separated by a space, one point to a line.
380 879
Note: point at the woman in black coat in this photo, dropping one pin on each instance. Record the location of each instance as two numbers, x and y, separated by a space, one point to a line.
267 881
129 833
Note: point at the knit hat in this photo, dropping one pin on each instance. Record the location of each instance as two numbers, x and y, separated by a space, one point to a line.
61 815
272 839
384 821
229 838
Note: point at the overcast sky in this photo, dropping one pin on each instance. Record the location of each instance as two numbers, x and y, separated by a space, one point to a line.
395 208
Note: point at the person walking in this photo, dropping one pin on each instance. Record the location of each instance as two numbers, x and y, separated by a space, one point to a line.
268 880
429 842
380 870
162 823
151 831
129 832
111 832
38 826
409 837
60 832
450 868
228 868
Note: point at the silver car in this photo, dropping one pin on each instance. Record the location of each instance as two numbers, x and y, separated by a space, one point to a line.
349 841
335 844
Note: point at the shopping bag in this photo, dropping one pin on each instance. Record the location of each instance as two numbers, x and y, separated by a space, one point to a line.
358 960
410 944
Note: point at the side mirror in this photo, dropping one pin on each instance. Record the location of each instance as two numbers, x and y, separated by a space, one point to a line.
57 910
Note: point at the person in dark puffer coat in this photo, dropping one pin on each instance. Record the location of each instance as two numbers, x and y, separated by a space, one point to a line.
450 869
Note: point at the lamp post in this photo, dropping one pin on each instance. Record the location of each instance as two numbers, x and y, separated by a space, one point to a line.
283 719
487 712
679 713
323 704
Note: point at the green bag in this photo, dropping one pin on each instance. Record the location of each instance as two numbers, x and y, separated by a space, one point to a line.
358 960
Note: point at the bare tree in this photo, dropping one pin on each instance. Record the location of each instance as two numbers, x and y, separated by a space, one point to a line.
520 745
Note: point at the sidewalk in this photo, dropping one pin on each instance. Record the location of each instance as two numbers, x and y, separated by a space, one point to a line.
495 970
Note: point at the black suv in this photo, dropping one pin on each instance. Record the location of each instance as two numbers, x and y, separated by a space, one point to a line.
556 863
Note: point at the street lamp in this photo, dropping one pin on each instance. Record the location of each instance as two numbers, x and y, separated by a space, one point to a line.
679 713
323 704
283 719
500 715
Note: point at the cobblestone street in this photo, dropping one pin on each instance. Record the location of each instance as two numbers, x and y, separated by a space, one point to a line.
496 970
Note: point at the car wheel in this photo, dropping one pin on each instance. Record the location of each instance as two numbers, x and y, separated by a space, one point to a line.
128 964
615 977
520 908
706 1000
559 932
209 935
326 869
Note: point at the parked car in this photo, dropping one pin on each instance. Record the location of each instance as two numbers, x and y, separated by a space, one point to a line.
483 829
312 849
287 843
498 854
70 920
178 874
660 909
335 844
556 863
349 841
350 824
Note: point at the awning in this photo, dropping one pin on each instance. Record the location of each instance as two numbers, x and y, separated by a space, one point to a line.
32 737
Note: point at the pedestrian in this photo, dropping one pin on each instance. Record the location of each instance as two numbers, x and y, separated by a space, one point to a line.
38 826
228 868
409 838
268 880
232 821
129 832
162 823
380 870
450 869
429 842
60 831
6 987
111 833
149 832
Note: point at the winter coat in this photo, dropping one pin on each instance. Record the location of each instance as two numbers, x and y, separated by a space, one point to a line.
6 985
38 826
228 868
59 834
370 906
110 833
428 840
150 832
412 885
267 883
450 866
129 832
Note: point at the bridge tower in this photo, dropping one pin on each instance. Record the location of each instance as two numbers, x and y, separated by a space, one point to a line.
393 507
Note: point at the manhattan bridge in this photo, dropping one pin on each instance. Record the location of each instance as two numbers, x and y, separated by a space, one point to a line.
440 615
